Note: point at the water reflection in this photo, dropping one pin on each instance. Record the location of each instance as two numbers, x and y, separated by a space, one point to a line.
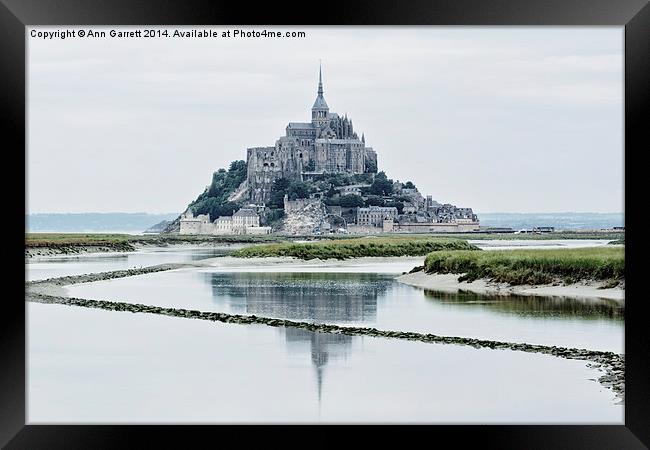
64 265
533 306
323 346
317 297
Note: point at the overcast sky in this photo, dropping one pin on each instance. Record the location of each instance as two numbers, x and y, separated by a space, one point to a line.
500 119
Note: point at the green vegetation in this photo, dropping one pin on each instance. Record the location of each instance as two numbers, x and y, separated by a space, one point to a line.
214 200
355 248
310 166
382 185
532 267
62 239
567 309
375 200
346 201
71 243
124 241
294 189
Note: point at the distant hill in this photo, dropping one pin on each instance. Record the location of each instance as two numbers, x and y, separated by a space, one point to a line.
561 221
132 223
159 227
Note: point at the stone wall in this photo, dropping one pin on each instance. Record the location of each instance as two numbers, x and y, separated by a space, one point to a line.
437 227
264 167
298 204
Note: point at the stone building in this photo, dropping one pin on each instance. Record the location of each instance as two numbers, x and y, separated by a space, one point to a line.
327 144
244 221
445 218
351 189
374 215
223 225
195 225
245 218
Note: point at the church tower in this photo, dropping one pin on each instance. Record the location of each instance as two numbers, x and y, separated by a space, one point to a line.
320 110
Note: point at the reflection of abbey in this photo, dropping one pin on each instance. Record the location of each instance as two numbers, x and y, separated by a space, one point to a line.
327 144
306 296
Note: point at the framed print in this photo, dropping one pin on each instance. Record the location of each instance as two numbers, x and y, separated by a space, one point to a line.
379 214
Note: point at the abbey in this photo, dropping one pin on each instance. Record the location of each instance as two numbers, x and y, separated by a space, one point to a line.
327 144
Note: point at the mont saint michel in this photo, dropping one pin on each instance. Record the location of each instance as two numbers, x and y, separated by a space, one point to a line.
228 231
319 177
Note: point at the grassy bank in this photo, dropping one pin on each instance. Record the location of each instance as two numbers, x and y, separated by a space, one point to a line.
50 239
356 248
71 243
48 244
94 239
533 267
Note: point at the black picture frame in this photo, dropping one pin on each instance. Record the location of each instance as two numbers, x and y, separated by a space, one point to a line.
634 15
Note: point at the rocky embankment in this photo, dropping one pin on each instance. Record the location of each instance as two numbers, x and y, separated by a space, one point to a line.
74 249
101 276
304 220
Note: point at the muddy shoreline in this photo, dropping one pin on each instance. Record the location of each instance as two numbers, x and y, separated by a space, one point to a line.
450 283
41 252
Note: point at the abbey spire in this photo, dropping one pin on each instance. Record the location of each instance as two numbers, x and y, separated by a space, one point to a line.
325 144
320 110
320 81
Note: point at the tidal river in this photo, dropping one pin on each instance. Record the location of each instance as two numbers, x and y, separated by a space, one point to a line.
95 366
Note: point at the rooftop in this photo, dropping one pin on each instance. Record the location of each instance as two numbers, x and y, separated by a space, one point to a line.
245 212
300 126
340 141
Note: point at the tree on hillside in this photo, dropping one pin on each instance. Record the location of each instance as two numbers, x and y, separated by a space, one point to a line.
382 185
351 201
298 189
294 189
374 200
398 205
278 190
214 200
310 166
339 179
362 178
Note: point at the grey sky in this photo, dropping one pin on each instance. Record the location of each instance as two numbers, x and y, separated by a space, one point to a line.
520 119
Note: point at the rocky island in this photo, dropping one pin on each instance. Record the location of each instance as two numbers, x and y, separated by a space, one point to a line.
320 177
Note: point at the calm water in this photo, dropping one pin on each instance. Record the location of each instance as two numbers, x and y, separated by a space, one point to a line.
373 299
94 366
59 266
508 244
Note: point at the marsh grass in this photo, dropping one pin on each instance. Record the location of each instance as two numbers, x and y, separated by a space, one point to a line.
533 267
112 240
356 248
